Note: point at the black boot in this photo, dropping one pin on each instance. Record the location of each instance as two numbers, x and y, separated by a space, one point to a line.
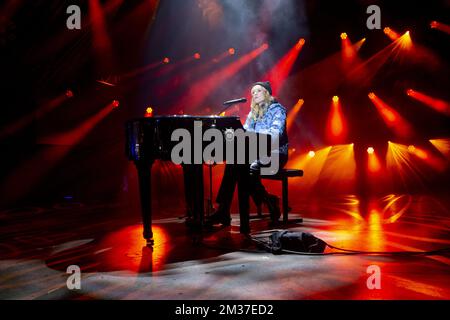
273 204
221 215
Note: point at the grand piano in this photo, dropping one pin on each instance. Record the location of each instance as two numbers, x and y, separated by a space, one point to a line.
149 139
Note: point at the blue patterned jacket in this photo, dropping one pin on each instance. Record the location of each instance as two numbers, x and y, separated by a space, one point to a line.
274 123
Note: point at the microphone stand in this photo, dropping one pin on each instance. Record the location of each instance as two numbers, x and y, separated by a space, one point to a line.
210 207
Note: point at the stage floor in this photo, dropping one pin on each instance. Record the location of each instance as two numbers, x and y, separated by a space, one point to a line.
39 243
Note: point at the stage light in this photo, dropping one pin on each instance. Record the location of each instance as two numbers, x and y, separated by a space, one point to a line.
373 163
292 114
166 60
372 95
336 129
391 33
432 102
115 103
69 93
442 145
280 71
405 41
197 55
300 44
392 118
265 46
231 51
440 26
311 154
199 89
343 36
411 148
149 112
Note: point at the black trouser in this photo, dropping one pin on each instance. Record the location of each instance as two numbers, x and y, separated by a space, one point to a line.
230 179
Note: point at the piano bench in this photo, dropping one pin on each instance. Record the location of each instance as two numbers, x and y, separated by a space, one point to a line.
283 175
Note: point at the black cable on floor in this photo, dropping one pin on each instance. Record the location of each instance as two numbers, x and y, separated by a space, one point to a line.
344 251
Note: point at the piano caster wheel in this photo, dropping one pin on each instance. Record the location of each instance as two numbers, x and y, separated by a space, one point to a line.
150 242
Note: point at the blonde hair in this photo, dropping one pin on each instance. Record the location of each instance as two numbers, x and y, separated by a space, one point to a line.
259 109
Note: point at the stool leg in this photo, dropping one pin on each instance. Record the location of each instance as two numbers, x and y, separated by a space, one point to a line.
285 199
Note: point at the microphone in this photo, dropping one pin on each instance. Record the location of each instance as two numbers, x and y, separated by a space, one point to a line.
229 102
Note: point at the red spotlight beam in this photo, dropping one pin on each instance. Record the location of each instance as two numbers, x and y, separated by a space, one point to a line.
101 42
26 120
434 103
440 26
292 114
348 51
336 127
278 74
200 90
178 79
391 117
74 136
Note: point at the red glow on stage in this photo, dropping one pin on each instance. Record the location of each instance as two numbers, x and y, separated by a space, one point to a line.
278 74
391 117
130 252
336 131
440 26
434 103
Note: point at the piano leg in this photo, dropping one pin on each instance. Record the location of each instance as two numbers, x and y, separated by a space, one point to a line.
199 202
144 170
193 181
243 196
